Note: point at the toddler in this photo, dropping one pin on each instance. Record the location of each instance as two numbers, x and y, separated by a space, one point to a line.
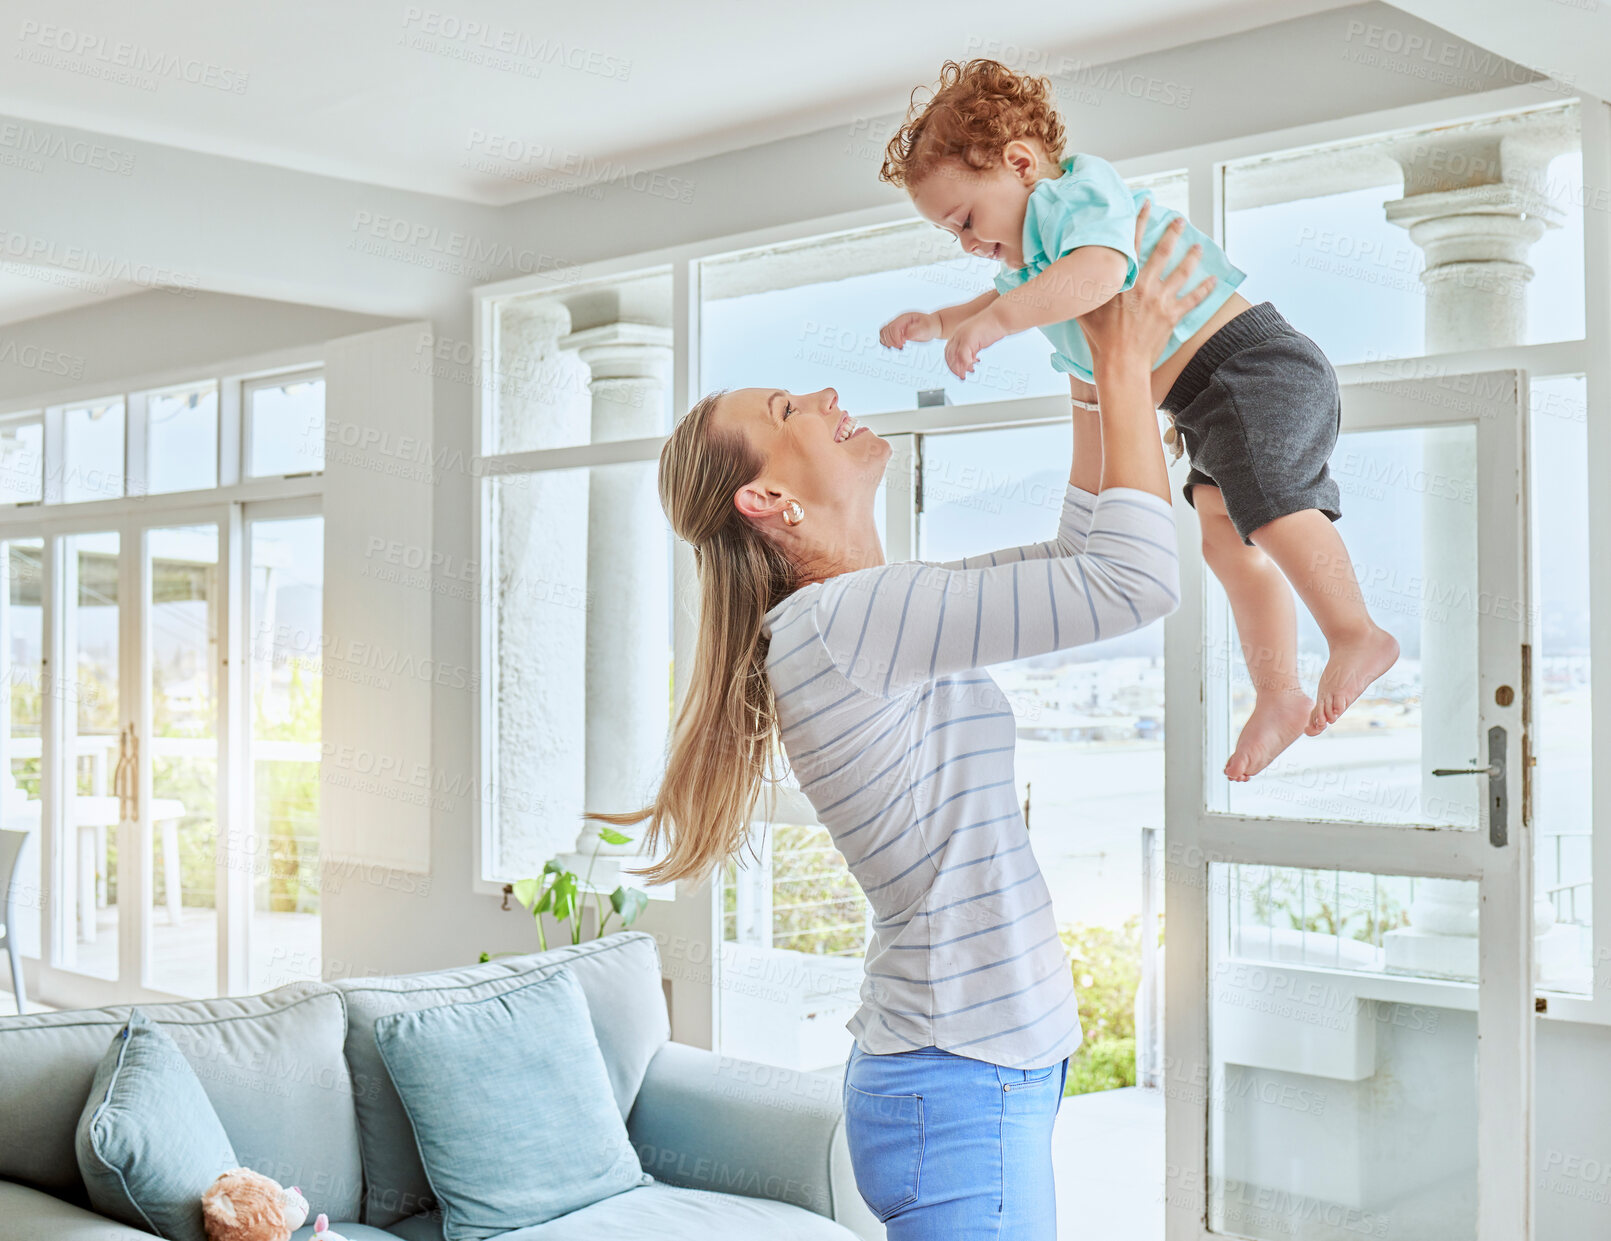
1254 402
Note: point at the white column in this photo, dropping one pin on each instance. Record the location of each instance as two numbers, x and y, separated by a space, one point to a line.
629 614
1475 202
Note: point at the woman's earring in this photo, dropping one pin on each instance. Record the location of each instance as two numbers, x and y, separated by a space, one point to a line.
793 514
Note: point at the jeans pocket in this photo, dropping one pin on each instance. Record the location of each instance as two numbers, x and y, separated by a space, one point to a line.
1031 1083
885 1135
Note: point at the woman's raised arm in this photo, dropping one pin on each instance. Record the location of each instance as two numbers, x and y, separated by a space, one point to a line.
1125 334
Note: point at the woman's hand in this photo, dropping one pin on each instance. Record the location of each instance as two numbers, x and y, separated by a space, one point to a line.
1136 324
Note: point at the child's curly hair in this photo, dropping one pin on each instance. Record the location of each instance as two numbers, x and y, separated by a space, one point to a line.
974 112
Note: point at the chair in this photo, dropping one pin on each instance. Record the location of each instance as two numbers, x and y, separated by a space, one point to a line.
11 847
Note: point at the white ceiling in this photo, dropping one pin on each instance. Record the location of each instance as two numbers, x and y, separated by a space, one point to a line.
394 93
29 290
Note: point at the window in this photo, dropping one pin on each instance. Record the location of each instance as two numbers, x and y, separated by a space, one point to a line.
806 314
1563 723
22 739
137 657
576 583
1324 1088
181 428
1313 232
287 595
811 310
182 638
285 425
22 445
92 452
547 350
1090 732
1409 501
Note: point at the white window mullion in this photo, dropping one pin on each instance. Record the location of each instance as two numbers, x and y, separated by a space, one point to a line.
55 455
136 442
232 440
237 844
1596 144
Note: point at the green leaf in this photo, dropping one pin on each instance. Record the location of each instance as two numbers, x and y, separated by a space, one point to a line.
544 905
483 958
526 891
612 837
629 903
553 867
564 896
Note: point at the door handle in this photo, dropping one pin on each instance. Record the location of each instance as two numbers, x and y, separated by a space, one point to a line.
126 775
1498 799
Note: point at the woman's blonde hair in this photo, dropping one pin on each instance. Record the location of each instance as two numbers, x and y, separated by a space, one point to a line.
725 740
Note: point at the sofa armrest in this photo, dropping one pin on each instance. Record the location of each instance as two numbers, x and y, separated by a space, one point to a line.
705 1121
34 1213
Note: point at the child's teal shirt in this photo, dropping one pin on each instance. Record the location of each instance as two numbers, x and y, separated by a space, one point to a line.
1090 205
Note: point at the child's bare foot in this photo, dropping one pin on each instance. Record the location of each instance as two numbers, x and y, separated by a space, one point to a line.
1353 665
1277 721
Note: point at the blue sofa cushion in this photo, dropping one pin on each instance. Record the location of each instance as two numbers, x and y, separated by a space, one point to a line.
511 1107
621 977
149 1143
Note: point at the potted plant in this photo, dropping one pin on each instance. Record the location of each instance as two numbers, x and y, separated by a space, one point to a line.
562 894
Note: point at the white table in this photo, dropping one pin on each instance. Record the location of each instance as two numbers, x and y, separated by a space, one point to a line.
92 816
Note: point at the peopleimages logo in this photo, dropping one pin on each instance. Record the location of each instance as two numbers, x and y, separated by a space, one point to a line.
499 47
44 40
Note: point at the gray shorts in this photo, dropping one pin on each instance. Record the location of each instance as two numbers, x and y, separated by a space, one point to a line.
1258 411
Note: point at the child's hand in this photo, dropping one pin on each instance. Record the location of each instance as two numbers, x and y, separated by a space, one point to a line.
913 325
974 335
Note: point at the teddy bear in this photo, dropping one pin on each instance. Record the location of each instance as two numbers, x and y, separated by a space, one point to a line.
242 1205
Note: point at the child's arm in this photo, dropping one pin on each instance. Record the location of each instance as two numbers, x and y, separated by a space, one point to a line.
1074 285
918 325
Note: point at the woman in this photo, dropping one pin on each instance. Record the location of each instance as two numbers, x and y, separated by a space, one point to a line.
871 676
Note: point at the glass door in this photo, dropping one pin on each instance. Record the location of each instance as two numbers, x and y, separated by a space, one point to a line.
1349 974
179 759
285 692
125 774
22 734
92 843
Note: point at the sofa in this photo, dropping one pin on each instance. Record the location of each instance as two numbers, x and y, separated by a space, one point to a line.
736 1150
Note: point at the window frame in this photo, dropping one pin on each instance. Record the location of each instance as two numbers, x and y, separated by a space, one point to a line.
1204 167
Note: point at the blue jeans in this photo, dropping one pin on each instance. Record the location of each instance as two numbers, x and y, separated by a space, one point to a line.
950 1149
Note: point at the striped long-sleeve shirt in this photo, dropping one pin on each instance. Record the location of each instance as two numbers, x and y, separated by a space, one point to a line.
904 745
